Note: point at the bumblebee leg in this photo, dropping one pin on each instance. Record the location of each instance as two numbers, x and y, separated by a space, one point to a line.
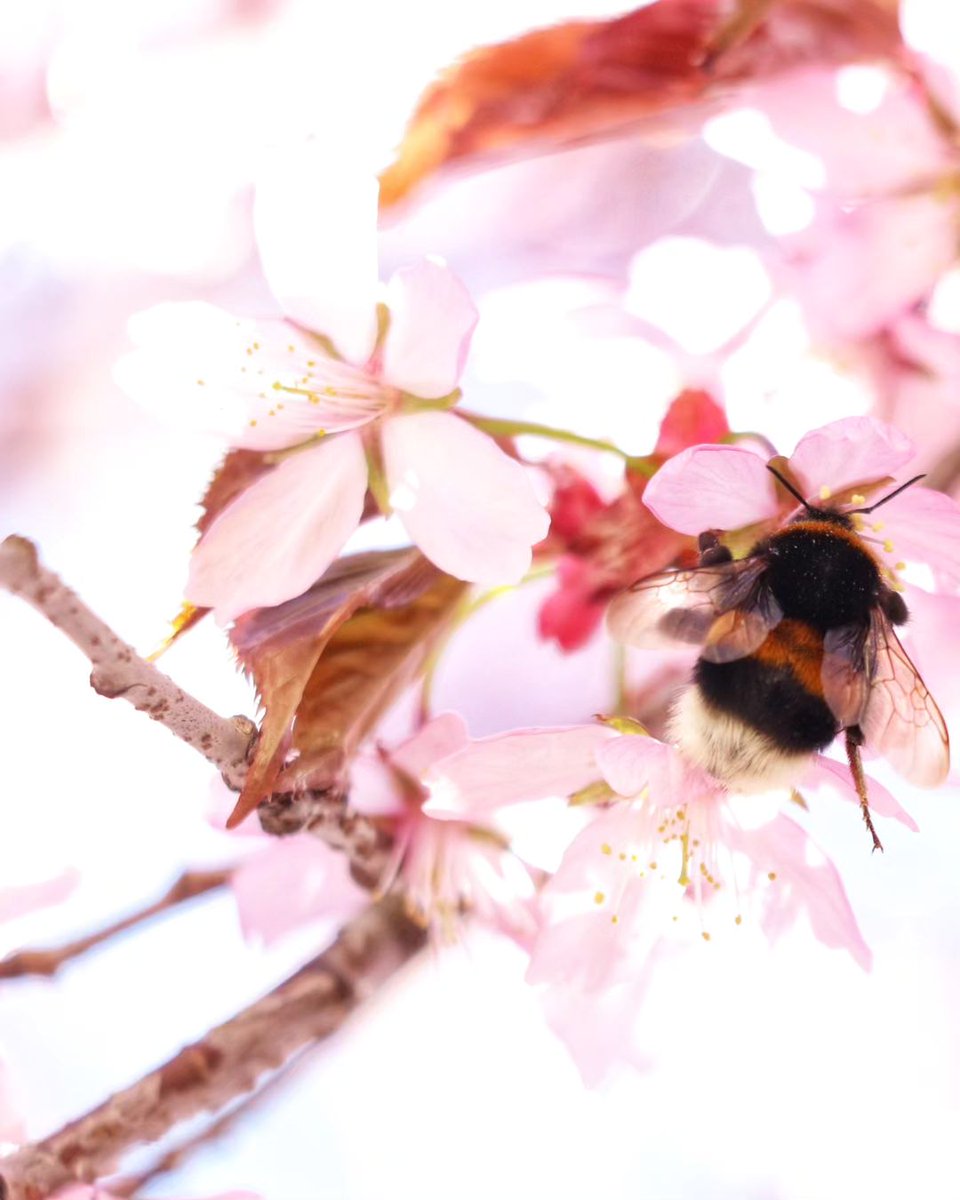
893 606
712 550
853 737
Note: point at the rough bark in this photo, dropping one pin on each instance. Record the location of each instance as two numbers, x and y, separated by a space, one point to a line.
227 1062
119 671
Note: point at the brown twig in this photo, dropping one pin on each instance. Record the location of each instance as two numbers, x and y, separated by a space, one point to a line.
326 814
228 1061
170 1160
119 671
48 962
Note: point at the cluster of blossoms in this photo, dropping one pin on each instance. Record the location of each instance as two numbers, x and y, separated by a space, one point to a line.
349 400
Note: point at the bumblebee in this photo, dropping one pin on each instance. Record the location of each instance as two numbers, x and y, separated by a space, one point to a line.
797 645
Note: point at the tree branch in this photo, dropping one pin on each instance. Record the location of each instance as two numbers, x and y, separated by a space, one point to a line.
230 1060
326 814
48 962
119 671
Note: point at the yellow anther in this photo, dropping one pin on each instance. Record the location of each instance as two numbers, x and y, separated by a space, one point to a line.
825 492
877 526
622 856
900 566
606 849
653 866
888 546
705 936
599 897
201 383
614 920
738 919
856 498
771 875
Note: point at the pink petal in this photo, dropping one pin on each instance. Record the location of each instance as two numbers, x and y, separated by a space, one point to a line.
852 450
712 487
529 764
600 1029
783 848
280 535
12 1128
856 269
432 319
693 418
295 881
835 777
210 372
934 621
439 738
923 526
316 231
631 762
861 152
374 789
18 901
469 507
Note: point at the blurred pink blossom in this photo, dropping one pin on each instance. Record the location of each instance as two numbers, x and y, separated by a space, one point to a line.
19 900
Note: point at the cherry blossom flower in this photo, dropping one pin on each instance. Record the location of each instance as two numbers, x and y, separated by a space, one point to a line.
605 547
358 393
444 868
283 883
729 488
672 855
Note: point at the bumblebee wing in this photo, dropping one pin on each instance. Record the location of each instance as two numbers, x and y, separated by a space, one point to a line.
726 609
845 673
901 720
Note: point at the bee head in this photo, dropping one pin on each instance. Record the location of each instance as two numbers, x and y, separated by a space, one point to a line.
834 515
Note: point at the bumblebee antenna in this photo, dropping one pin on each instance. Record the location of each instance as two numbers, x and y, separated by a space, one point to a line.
790 488
902 488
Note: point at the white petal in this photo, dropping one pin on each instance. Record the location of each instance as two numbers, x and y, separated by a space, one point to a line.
469 507
316 225
431 321
280 535
245 380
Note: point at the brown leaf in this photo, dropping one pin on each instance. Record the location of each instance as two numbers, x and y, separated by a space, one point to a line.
328 662
586 80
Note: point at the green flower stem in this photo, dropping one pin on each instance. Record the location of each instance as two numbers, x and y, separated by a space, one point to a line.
377 478
503 427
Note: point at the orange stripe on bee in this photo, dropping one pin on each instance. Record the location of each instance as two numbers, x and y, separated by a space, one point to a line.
798 646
